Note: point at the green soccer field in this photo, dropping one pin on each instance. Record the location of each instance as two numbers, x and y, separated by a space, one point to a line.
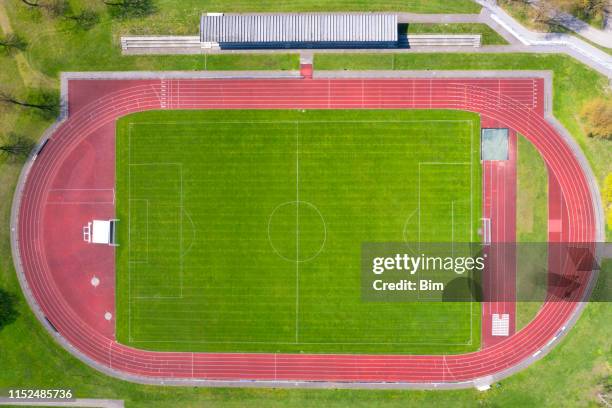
241 231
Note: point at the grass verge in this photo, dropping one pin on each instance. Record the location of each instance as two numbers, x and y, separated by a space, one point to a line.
531 212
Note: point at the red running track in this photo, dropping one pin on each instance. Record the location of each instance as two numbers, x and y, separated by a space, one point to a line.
499 206
517 103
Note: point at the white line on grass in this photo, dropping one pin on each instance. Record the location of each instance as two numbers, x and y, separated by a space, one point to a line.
452 212
302 121
297 227
304 343
297 230
129 234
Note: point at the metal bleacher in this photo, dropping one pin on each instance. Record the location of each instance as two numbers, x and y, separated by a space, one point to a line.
444 40
167 42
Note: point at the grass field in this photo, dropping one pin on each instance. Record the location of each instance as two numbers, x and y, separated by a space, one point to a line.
242 230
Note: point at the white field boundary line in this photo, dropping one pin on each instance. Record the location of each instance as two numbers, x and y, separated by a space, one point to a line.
130 164
471 122
203 122
129 188
291 343
471 227
297 231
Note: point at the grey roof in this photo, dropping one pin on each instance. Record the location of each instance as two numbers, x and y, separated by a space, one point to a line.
265 28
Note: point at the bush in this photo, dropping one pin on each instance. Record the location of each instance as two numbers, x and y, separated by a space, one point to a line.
597 117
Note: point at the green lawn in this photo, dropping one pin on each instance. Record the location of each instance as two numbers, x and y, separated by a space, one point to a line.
488 35
531 212
216 255
532 194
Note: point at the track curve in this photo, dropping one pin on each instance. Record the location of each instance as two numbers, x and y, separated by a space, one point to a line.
480 96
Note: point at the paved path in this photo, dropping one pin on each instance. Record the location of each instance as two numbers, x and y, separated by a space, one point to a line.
79 402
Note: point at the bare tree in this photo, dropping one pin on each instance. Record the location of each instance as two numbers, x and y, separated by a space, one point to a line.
86 19
17 146
13 42
55 8
31 3
543 12
583 9
45 102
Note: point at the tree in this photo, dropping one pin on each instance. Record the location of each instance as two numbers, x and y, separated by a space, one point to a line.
130 8
45 102
17 146
8 309
543 12
13 42
597 117
55 8
583 9
86 19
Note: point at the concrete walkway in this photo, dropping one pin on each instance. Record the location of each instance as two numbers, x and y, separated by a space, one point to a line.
79 402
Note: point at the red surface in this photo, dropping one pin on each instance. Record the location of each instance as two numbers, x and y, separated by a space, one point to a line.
306 71
56 263
499 205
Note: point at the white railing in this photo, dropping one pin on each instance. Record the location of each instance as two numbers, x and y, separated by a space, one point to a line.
166 41
444 40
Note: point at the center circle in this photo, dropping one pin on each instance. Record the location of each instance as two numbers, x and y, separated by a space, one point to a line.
297 231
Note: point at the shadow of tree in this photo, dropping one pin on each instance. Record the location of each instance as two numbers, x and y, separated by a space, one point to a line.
8 308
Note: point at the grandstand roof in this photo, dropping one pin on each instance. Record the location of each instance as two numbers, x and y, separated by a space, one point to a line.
298 28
